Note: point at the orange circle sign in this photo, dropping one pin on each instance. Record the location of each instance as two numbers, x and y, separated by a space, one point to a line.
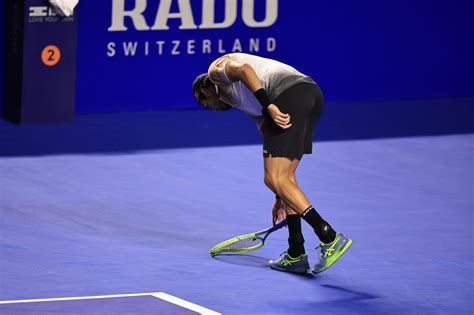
51 55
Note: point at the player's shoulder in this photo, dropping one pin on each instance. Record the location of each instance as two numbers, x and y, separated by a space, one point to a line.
220 63
222 60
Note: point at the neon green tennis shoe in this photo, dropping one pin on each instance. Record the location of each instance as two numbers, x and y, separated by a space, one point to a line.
289 264
331 252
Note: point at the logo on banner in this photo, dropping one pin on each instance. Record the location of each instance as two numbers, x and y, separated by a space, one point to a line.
45 14
51 55
185 15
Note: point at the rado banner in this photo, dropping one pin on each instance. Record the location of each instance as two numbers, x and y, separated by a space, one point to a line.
187 21
144 54
40 63
148 52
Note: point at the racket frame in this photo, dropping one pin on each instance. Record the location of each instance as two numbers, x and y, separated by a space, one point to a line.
261 235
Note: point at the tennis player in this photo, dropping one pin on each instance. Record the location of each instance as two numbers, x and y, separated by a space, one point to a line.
286 105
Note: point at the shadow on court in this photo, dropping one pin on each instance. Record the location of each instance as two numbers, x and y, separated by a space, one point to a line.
243 260
253 261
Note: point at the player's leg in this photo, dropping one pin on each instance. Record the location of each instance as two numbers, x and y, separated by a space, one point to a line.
277 178
333 244
295 234
294 259
283 150
280 175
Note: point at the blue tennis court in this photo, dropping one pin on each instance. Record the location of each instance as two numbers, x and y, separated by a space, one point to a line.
130 221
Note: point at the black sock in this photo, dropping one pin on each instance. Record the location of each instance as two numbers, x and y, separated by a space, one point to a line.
322 229
296 240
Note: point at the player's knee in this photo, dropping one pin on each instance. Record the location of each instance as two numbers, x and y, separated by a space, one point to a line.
270 181
292 178
277 182
283 181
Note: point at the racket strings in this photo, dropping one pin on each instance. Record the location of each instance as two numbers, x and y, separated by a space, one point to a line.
242 244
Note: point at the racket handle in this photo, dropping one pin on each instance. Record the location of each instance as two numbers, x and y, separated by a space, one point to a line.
280 225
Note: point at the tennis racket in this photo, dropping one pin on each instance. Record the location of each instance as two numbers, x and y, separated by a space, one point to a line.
245 243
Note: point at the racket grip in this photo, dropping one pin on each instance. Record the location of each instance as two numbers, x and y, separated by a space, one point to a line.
280 225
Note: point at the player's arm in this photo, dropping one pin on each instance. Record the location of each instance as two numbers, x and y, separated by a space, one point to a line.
237 71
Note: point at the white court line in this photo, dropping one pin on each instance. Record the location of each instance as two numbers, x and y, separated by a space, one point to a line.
160 295
184 303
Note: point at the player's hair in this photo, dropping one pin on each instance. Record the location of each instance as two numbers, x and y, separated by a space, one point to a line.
200 82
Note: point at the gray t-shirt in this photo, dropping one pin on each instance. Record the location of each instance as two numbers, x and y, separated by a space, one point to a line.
275 77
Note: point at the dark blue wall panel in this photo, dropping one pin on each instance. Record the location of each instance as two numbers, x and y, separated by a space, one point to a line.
1 54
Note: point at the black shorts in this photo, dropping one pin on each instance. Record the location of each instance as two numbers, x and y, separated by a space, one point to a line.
304 103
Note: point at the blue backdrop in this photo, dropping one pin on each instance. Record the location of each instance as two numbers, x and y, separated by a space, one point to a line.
356 50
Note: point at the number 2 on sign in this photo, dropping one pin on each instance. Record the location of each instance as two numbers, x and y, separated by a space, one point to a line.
50 55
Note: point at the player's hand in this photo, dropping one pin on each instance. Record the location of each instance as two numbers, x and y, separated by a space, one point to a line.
278 211
282 120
